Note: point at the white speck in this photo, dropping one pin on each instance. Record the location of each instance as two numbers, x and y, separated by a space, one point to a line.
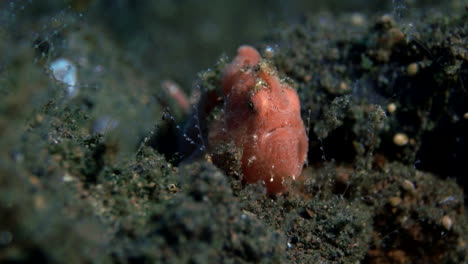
269 52
67 177
272 179
65 72
251 160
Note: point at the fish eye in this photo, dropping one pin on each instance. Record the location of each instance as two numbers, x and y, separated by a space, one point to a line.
251 105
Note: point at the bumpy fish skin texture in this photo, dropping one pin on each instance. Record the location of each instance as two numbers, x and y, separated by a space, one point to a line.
262 118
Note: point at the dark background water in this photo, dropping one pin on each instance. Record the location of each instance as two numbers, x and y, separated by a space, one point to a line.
177 39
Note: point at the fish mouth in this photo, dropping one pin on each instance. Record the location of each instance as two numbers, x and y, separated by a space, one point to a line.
275 129
289 137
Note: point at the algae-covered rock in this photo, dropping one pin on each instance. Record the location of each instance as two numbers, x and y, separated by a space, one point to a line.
204 223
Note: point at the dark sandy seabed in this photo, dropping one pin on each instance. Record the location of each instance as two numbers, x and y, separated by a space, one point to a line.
94 175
